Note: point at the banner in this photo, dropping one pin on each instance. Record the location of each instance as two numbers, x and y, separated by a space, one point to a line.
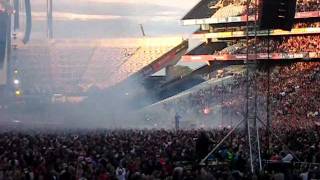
241 57
276 32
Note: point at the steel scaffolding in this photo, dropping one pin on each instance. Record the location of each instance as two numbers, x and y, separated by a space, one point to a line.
250 115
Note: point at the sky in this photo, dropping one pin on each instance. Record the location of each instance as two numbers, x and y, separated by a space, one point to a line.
112 18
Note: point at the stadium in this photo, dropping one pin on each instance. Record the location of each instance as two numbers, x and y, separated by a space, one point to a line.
239 98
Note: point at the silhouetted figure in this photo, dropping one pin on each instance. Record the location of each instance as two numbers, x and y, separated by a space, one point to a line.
202 145
177 119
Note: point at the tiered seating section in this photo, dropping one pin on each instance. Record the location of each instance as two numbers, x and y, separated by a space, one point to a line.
34 69
74 66
230 8
233 8
104 63
69 63
294 87
308 5
147 53
294 96
287 44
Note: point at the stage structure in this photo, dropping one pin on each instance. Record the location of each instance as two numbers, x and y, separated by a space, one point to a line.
49 19
214 26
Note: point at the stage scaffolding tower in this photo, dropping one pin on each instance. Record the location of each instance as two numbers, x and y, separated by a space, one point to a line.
250 115
49 19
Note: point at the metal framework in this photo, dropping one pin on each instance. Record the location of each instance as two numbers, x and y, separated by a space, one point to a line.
250 115
251 95
251 119
49 19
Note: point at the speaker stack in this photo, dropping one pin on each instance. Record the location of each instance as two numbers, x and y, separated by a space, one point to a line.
277 14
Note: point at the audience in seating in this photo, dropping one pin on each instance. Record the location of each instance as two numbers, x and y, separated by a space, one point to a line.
285 44
294 101
231 8
308 5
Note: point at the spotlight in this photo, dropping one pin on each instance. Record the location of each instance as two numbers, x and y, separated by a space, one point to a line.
16 121
15 71
16 82
18 93
206 111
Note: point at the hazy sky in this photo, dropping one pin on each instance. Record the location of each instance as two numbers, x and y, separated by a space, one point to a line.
112 18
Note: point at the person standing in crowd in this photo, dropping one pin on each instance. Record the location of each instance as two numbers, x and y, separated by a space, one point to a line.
177 119
121 173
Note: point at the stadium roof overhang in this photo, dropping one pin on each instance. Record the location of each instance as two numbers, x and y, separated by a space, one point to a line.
201 14
200 11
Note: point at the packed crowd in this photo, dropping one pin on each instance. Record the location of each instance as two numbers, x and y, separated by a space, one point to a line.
287 44
140 154
262 45
293 92
307 25
233 47
299 44
308 5
232 8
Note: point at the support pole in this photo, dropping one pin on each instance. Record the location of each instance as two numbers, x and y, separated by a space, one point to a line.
279 139
49 19
251 95
142 30
27 32
16 24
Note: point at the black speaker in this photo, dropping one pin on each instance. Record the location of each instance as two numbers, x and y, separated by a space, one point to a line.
3 36
277 14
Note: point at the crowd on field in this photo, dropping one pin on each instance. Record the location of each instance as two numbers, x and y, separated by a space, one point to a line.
147 154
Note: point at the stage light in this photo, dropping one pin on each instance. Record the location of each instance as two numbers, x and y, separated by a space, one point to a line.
206 111
15 71
16 82
18 93
16 121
